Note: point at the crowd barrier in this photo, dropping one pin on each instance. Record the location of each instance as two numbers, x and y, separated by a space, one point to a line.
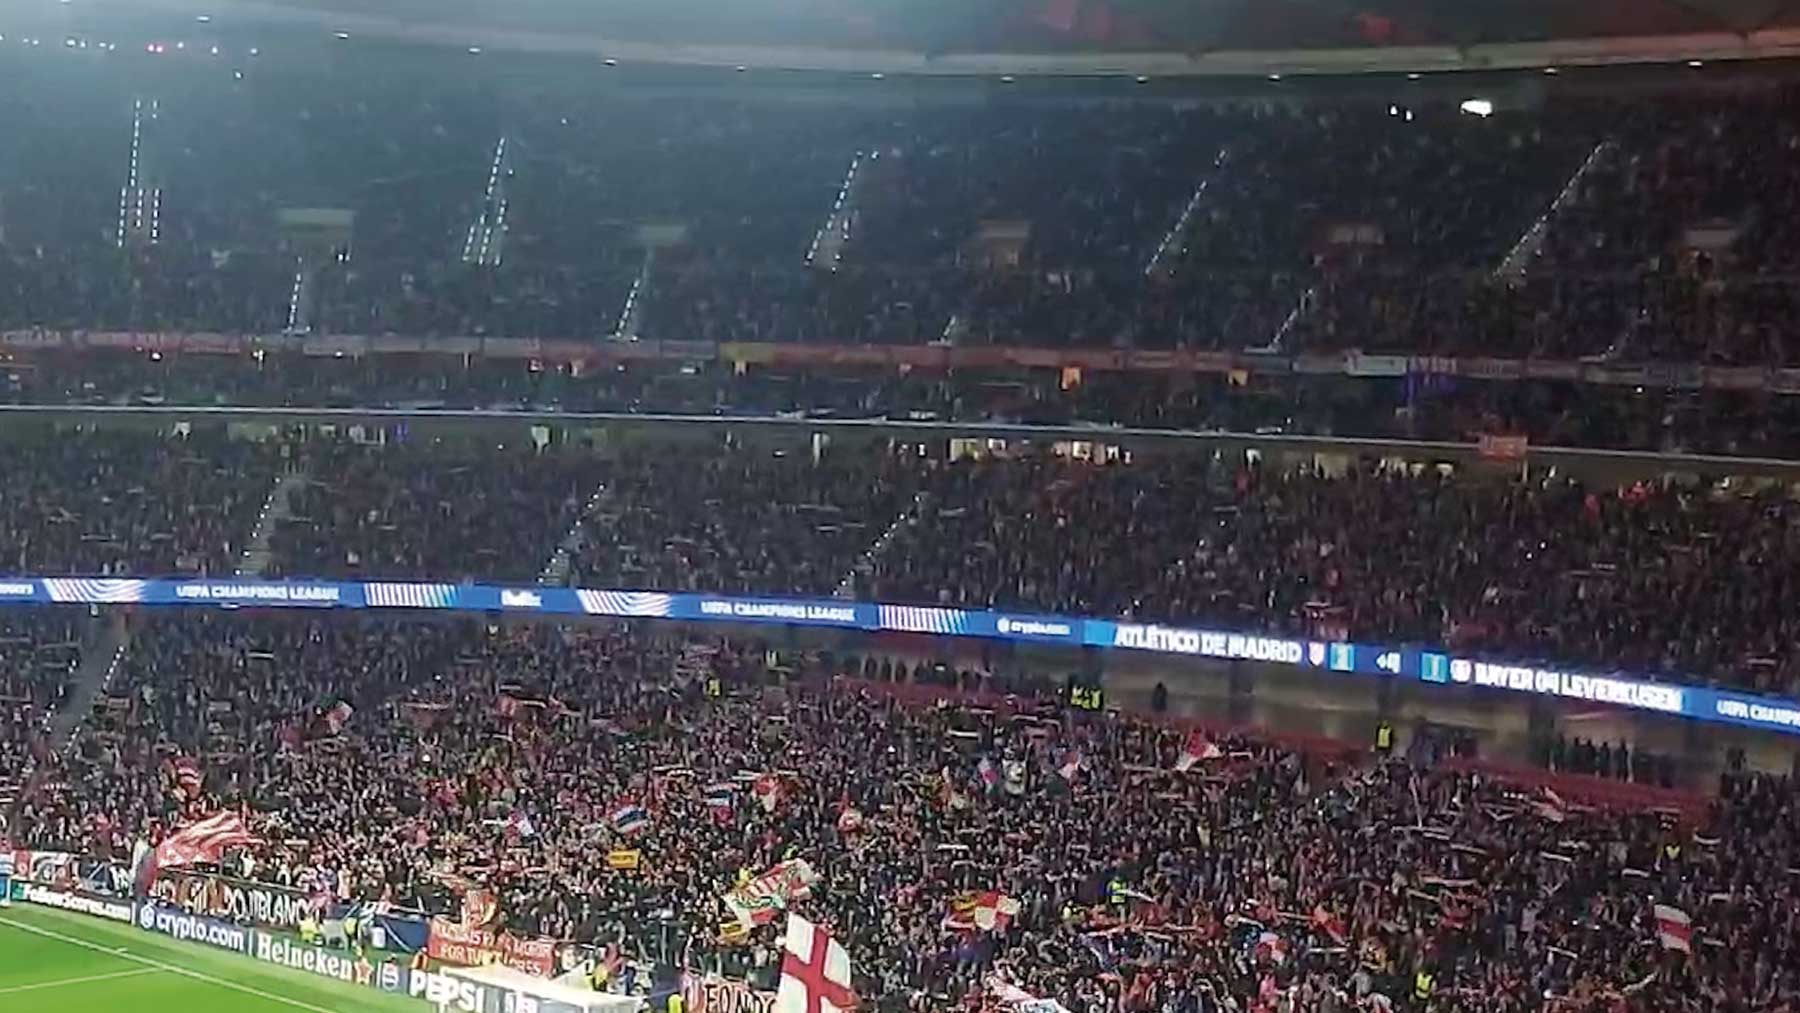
1392 661
1604 793
934 357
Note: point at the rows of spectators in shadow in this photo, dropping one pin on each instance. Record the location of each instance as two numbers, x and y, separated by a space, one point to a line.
533 209
106 502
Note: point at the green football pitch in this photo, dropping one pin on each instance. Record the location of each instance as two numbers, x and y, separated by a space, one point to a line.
52 962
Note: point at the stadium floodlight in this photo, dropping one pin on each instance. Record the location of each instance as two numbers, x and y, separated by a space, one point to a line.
1477 107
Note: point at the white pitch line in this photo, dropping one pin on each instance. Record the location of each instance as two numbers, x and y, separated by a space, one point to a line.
80 981
171 968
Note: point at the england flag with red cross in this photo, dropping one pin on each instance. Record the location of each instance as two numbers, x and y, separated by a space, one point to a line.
815 972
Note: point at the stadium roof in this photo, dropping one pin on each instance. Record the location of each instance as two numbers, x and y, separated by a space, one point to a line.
1163 37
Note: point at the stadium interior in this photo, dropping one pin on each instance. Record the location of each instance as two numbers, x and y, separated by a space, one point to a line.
1067 506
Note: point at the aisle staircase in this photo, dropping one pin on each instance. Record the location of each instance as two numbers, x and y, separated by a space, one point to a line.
556 571
1174 241
865 563
827 248
302 298
485 242
1278 342
632 314
278 508
1526 249
102 651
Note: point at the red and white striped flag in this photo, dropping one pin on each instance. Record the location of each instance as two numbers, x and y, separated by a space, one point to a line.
1674 929
186 772
1197 747
204 841
769 790
984 911
815 972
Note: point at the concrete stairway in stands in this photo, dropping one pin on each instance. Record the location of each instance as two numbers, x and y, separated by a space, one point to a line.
834 235
865 564
255 560
562 560
102 651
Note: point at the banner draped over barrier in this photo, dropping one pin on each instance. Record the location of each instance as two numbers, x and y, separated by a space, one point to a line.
455 943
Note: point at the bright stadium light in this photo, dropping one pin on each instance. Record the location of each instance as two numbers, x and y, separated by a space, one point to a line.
1477 107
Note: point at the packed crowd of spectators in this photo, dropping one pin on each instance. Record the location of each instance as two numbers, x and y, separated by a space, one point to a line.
1647 578
39 652
105 502
408 760
680 518
1272 876
539 208
374 511
1671 247
1683 580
